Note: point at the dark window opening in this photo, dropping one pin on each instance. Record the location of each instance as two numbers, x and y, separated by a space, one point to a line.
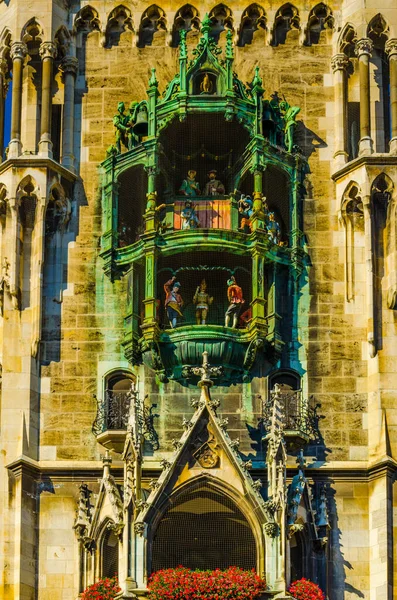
110 555
203 529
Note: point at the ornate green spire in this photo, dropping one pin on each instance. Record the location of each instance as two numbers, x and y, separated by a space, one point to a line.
206 26
229 45
182 44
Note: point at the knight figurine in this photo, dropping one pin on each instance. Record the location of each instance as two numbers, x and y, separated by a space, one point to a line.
213 187
245 208
236 301
173 301
189 216
190 186
121 123
202 300
273 228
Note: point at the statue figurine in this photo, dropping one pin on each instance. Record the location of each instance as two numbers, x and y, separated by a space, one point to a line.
190 186
173 301
202 300
206 86
236 301
245 208
288 114
133 139
273 228
189 217
120 121
213 187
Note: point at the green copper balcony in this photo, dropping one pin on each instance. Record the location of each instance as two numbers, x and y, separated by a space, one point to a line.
177 350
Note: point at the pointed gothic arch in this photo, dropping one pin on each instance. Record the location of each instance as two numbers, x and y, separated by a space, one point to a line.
5 41
253 20
221 17
87 19
119 21
352 218
153 24
62 39
347 40
320 19
196 527
32 32
287 19
378 30
187 18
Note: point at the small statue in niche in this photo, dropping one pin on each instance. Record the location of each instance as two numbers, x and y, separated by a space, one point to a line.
202 300
173 301
213 187
121 123
206 85
190 186
236 301
189 216
273 228
288 114
245 208
125 233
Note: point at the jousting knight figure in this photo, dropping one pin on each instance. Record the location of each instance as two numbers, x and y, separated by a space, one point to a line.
202 300
173 301
236 301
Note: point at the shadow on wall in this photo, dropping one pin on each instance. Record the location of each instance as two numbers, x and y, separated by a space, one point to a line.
307 140
62 227
337 565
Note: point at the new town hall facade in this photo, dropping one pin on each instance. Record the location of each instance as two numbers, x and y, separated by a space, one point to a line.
198 293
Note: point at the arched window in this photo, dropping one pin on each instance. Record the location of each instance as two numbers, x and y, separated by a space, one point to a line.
320 19
253 20
286 386
187 19
221 19
109 554
119 20
203 529
153 27
287 19
117 399
378 32
285 377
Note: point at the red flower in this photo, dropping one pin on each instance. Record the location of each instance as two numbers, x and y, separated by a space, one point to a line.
104 589
304 589
184 584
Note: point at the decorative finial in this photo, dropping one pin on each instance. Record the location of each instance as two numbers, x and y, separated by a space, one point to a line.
153 79
206 26
106 461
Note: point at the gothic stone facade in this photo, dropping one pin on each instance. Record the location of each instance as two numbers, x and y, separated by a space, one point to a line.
81 283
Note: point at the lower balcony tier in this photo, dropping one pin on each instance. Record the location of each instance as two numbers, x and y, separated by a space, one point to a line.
173 353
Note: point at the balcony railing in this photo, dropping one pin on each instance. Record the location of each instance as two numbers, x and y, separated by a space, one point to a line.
112 412
297 417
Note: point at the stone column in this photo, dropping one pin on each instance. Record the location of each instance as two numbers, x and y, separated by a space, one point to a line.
363 51
3 90
391 50
69 69
47 53
18 52
339 64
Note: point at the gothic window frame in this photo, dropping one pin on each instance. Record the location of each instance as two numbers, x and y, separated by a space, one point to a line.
119 413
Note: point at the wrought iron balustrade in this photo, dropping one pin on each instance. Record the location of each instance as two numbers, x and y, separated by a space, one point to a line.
112 412
297 414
